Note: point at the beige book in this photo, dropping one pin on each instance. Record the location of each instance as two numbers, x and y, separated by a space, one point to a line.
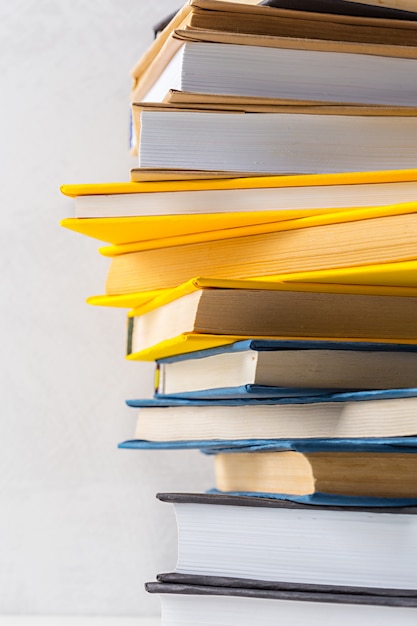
395 417
376 474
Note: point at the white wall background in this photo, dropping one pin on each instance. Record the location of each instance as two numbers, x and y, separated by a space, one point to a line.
80 529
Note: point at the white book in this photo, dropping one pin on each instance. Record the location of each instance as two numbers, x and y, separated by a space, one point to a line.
285 143
285 198
287 366
372 418
282 73
272 540
201 605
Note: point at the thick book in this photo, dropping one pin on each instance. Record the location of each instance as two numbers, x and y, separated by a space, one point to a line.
289 70
224 316
270 368
363 474
343 239
294 543
357 421
231 601
277 143
377 471
396 282
208 317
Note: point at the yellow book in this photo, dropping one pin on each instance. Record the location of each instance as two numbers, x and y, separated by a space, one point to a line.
204 313
160 298
148 300
122 213
397 275
339 240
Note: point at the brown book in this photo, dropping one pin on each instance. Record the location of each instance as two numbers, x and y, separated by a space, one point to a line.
231 18
376 474
239 313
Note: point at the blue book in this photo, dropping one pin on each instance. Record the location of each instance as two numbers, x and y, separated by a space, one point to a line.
375 491
350 396
284 369
339 472
382 425
374 416
403 445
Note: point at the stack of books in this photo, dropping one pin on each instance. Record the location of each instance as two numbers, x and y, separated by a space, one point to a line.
266 249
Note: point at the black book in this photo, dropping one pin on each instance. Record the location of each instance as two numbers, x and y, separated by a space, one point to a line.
273 540
342 7
216 603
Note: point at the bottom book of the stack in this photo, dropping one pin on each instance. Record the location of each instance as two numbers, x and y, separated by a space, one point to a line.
212 602
243 560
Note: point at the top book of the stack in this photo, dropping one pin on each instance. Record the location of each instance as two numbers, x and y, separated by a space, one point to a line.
213 21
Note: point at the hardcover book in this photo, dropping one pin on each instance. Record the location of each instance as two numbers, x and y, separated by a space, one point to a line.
215 317
277 143
343 239
271 368
356 415
294 543
289 70
209 600
133 212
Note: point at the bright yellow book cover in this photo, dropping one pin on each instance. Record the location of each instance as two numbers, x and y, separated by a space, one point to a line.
305 281
401 275
311 221
191 340
141 227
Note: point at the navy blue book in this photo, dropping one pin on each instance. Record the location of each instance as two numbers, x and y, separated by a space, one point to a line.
368 419
257 368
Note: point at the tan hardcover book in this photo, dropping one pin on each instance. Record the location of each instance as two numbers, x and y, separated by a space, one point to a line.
376 474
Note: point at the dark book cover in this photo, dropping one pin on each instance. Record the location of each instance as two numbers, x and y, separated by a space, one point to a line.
234 500
307 594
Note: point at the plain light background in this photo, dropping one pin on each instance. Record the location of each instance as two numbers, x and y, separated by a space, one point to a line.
80 528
